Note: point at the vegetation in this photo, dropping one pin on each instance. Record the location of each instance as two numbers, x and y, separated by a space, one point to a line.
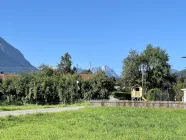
86 72
49 86
156 95
65 64
97 123
151 64
180 84
151 70
122 95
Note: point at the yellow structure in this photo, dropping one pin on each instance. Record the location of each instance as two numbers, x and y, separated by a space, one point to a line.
137 92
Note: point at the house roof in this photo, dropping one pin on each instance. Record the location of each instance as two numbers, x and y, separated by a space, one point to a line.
86 76
136 86
3 76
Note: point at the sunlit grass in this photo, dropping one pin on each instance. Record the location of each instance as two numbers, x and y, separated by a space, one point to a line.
97 123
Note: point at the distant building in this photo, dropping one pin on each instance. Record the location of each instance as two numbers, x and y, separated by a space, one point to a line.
3 76
86 76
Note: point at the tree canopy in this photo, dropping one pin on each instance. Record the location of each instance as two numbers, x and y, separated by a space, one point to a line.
149 68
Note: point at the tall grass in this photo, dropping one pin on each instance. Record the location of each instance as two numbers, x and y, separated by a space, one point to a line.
93 123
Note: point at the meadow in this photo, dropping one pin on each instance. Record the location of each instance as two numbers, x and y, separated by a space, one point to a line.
97 123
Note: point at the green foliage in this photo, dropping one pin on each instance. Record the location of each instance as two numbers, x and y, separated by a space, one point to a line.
44 87
150 66
94 123
156 95
86 72
65 65
151 95
102 86
131 74
180 84
122 95
46 70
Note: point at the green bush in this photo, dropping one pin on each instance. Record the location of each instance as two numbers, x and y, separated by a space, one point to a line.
122 95
46 88
156 94
151 95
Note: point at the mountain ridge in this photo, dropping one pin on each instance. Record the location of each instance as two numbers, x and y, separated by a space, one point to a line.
12 60
108 71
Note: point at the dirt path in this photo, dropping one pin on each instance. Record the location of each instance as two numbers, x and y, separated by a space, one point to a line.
45 110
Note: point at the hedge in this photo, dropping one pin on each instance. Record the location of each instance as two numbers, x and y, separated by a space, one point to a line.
122 95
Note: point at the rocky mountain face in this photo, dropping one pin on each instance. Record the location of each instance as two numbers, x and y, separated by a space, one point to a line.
109 72
12 60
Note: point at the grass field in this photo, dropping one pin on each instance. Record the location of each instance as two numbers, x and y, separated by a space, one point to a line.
97 123
32 106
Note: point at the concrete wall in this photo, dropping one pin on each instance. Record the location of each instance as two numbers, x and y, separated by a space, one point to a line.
150 104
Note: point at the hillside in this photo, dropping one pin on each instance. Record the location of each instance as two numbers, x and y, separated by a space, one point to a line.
12 60
181 73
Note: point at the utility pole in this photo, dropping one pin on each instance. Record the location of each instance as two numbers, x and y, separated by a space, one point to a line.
142 75
142 78
90 65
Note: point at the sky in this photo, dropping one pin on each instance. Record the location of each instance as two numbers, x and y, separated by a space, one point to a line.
100 31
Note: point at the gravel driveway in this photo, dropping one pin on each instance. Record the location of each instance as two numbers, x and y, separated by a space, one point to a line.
45 110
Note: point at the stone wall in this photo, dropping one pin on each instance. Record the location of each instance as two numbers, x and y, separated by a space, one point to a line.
150 104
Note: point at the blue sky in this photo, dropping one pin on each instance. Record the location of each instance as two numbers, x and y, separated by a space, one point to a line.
100 31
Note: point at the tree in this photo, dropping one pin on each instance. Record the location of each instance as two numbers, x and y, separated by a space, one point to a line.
180 84
155 66
46 70
86 72
149 68
65 64
131 73
102 85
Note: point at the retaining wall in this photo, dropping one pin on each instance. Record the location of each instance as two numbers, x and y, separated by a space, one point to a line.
150 104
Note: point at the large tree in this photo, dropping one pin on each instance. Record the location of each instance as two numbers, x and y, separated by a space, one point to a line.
131 74
149 68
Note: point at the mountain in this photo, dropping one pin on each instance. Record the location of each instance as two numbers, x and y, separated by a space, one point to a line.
79 70
109 72
12 60
174 71
181 73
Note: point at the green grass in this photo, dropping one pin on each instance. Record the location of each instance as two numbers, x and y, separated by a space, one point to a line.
32 106
98 123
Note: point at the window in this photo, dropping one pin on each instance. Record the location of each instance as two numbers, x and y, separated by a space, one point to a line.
137 89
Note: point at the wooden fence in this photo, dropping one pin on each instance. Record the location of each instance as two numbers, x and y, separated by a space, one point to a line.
150 104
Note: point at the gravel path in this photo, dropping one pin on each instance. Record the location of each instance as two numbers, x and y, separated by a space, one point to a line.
45 110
